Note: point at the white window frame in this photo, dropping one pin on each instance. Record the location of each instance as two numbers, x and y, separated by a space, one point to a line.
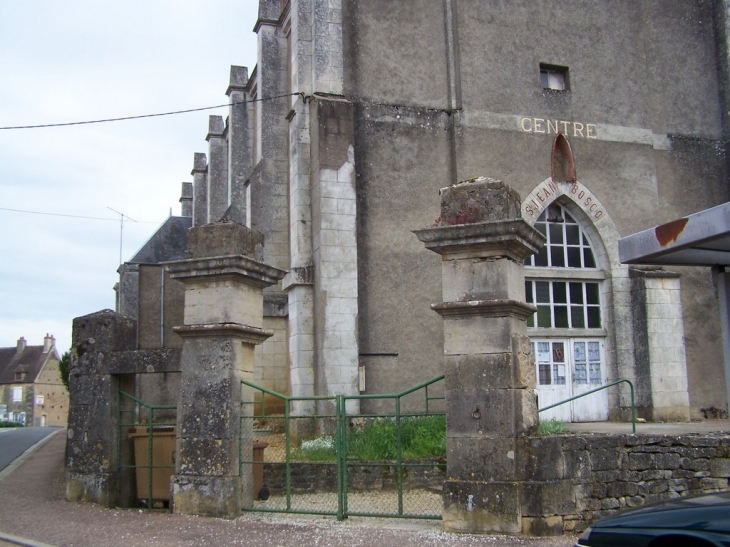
17 394
553 77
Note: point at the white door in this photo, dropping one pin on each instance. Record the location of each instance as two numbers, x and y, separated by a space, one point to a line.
566 368
553 382
589 372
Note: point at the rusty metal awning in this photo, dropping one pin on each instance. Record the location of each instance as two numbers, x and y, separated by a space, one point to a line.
701 239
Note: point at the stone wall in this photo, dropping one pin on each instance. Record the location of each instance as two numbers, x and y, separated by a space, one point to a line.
576 479
573 479
312 478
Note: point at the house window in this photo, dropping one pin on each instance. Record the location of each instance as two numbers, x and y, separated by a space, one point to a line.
18 394
553 77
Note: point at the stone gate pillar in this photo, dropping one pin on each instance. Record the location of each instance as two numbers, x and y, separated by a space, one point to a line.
490 377
224 281
92 470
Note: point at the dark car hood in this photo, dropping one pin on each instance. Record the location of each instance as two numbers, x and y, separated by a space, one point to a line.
708 512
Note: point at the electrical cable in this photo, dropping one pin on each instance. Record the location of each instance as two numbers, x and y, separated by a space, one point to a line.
150 115
70 216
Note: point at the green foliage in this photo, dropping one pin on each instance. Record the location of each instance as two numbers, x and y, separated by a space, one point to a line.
551 427
11 424
64 366
421 437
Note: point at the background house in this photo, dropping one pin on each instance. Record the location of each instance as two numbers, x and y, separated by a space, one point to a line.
31 389
607 117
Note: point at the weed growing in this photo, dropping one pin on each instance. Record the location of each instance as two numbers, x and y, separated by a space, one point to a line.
420 436
551 427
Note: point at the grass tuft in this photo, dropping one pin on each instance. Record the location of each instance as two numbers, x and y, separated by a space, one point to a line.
551 427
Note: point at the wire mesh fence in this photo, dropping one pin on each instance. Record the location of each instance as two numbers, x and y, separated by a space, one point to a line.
337 456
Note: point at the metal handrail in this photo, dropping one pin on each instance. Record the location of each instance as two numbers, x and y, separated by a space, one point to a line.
633 407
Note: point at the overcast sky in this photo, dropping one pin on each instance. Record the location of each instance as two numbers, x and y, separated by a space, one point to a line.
76 60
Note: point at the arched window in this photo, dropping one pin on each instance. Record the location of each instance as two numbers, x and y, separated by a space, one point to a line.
567 333
563 304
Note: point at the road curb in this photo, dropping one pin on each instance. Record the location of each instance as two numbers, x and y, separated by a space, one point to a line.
25 455
15 540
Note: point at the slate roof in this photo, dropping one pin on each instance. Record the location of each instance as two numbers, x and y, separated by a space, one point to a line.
167 243
30 361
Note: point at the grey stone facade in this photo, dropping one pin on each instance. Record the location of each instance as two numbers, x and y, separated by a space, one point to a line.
357 113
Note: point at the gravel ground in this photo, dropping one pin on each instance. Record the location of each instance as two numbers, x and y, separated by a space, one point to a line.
33 506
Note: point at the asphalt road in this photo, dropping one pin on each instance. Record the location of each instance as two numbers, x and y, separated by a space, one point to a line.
15 441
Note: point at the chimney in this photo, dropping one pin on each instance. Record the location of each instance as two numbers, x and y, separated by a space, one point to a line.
48 342
186 199
21 345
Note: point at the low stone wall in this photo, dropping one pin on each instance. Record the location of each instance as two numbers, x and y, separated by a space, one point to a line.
569 480
309 478
572 480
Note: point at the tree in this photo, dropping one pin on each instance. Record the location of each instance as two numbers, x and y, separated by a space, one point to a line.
64 367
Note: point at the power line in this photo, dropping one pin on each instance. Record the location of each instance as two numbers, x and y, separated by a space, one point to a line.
70 216
149 115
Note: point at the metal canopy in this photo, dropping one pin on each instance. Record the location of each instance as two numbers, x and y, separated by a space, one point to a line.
701 239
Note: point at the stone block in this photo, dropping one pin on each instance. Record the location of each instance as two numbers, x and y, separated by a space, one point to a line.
471 279
546 498
220 497
524 362
100 488
479 334
621 489
577 463
491 412
720 467
667 461
481 458
102 331
479 199
208 409
544 526
488 370
223 301
605 459
474 507
206 456
540 458
225 239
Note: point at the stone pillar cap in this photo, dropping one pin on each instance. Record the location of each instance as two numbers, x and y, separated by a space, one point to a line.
515 239
246 333
245 269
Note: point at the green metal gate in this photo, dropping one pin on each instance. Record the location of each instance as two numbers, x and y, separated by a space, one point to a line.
353 455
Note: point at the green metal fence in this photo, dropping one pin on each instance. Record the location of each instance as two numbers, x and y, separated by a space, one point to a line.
354 455
150 429
606 386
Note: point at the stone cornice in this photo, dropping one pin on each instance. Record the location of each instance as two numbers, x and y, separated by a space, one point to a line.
486 308
245 333
514 239
239 267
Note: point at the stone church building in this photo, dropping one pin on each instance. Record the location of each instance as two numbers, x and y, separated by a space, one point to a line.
607 117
